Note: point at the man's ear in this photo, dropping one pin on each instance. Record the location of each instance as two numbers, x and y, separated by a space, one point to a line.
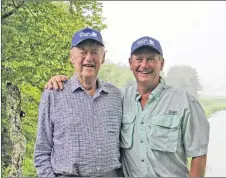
71 56
130 61
103 60
162 63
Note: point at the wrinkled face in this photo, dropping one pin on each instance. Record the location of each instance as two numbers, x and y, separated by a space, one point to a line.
87 58
146 65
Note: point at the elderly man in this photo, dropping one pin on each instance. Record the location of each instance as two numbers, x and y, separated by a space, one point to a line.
162 125
78 128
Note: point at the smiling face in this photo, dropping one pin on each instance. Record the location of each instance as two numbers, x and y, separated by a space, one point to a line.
87 58
146 65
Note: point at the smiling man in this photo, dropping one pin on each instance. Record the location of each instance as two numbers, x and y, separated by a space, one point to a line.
161 125
78 127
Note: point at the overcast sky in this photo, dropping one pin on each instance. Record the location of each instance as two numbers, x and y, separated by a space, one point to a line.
191 33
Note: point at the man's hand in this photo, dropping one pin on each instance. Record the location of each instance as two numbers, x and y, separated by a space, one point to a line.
56 82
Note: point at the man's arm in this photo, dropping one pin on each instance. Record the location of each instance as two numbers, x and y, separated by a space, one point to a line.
195 134
198 165
56 82
44 141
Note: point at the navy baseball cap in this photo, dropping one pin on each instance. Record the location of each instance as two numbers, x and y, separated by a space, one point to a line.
85 34
146 41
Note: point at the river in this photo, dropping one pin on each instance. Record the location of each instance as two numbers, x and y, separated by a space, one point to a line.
216 157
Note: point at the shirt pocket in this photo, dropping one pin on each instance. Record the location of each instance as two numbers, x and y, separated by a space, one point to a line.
162 132
127 130
113 130
113 124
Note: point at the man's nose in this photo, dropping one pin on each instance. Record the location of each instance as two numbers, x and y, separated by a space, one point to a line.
89 56
144 63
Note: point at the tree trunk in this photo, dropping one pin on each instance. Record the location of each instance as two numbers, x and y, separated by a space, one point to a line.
13 109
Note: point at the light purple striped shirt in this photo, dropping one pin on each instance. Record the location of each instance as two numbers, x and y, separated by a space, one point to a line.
78 134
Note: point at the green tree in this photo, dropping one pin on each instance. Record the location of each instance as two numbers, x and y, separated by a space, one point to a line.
36 39
184 77
118 75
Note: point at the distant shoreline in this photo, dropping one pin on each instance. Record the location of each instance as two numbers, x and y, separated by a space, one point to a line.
212 104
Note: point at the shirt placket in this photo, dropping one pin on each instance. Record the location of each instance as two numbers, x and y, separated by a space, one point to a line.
99 140
91 136
142 142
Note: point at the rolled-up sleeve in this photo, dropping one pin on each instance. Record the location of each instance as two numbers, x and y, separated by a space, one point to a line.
44 140
195 129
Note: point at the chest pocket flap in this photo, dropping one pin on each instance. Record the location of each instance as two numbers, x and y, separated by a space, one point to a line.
162 132
170 121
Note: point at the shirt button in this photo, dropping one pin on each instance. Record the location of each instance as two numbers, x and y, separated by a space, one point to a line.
98 168
142 122
142 160
141 141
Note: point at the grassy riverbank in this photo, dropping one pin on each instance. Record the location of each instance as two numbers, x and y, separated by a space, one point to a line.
213 104
210 106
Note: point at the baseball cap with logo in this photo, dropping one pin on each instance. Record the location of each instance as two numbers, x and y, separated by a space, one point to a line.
85 34
146 41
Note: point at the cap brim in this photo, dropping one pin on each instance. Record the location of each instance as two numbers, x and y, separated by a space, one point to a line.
89 38
147 46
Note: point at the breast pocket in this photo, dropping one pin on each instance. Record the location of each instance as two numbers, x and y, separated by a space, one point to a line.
113 130
162 132
127 130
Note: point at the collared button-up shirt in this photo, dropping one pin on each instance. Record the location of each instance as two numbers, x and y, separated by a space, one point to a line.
78 134
155 141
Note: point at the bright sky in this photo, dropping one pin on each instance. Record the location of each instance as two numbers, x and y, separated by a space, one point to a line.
191 33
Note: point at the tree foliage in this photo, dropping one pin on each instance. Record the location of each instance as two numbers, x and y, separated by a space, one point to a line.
118 75
184 77
36 39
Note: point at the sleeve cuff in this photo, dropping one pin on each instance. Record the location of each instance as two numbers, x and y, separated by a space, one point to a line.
196 153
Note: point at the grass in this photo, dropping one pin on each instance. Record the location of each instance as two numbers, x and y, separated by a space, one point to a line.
210 106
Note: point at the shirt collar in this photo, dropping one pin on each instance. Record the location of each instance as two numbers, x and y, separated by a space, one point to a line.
156 92
101 87
137 95
75 85
159 89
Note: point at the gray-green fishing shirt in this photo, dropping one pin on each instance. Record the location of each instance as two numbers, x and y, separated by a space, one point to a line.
155 141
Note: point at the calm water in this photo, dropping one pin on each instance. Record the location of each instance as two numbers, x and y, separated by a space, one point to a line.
216 158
